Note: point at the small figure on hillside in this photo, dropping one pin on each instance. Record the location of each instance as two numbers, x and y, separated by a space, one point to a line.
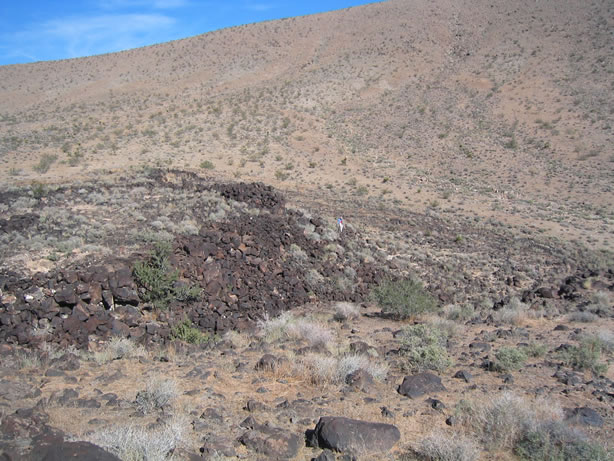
340 224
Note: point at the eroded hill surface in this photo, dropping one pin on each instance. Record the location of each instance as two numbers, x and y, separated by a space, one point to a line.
494 109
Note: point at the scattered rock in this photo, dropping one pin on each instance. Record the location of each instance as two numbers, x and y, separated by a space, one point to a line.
326 455
360 380
78 451
273 442
464 375
419 384
584 416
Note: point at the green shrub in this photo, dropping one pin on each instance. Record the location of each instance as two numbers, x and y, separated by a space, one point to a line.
553 441
536 349
38 190
461 312
156 276
424 348
188 293
185 331
207 165
509 358
403 299
586 356
45 163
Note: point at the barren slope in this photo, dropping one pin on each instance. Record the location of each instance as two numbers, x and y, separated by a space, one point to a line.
496 109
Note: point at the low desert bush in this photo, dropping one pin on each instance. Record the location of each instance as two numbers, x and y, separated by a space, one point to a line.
502 421
509 359
236 339
424 347
440 446
403 299
297 253
320 368
27 359
533 430
288 326
536 349
45 163
119 348
188 294
186 331
158 393
136 443
586 356
314 279
459 312
555 441
156 276
346 311
513 313
583 317
606 337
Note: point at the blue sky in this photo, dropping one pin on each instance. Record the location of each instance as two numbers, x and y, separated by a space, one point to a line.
48 30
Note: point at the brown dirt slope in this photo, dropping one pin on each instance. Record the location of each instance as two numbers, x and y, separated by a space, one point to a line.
494 109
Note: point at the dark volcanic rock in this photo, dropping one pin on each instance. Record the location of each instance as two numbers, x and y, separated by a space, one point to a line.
82 451
352 435
417 385
584 416
16 391
360 380
125 295
273 442
66 296
464 375
240 267
326 455
67 362
267 362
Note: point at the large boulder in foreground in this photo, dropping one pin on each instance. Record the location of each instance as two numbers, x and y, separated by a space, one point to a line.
353 436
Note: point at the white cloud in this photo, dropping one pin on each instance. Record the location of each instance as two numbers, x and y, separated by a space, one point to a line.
156 4
88 35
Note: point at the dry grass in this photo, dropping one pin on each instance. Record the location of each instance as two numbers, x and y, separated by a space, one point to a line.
119 348
136 443
289 326
441 446
326 369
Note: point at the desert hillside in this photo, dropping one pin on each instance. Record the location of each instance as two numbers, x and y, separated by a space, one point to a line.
497 110
174 284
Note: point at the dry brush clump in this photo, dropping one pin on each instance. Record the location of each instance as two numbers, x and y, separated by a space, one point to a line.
441 446
158 393
289 326
346 311
533 430
137 443
328 369
119 348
